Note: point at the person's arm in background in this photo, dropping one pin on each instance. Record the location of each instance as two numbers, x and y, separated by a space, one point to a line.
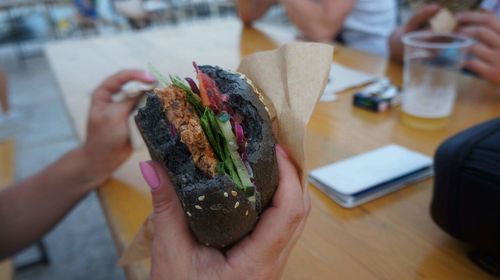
4 98
485 28
30 208
418 21
251 10
318 20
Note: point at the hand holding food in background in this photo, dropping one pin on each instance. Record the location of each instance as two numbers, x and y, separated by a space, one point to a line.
485 28
252 10
107 144
33 206
261 255
419 21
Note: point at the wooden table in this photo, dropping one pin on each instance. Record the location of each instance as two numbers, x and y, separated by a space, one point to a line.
389 238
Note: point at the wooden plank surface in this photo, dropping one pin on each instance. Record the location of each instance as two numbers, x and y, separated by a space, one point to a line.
7 174
389 238
7 165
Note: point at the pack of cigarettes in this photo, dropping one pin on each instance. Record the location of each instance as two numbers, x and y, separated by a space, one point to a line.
378 96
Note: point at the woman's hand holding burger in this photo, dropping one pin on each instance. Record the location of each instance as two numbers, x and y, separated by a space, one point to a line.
260 255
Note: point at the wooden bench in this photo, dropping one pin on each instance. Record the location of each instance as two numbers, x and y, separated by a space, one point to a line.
7 168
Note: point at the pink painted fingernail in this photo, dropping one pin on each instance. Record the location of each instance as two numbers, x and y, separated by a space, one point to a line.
149 174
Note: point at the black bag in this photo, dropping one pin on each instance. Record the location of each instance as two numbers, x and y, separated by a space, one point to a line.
466 198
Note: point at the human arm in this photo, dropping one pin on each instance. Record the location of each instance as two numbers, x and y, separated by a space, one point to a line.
33 206
4 98
251 10
485 28
318 20
261 255
417 22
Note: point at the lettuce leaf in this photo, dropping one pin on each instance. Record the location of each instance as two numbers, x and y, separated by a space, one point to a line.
211 130
231 149
222 148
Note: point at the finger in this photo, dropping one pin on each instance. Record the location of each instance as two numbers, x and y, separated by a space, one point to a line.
300 228
483 34
421 17
114 83
478 18
278 223
486 71
170 225
484 53
127 106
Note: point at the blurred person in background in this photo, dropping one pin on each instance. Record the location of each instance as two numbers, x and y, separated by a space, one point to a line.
4 99
86 8
86 13
363 24
482 25
32 207
134 11
6 114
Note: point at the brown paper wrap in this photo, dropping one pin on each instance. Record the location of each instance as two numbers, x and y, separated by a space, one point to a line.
291 80
443 21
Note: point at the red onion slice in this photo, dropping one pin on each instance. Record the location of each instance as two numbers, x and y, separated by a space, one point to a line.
240 136
193 85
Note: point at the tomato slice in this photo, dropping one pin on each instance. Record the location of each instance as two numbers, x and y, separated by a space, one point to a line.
209 93
203 89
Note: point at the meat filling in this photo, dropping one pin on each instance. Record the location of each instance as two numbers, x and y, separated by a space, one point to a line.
187 123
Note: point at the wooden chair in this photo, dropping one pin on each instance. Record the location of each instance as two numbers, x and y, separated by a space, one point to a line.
6 178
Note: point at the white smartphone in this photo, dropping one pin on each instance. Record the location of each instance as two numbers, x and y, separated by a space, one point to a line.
367 176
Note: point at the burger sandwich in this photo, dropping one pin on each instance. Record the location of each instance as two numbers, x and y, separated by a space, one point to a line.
215 140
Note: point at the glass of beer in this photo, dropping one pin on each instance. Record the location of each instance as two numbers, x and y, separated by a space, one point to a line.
432 62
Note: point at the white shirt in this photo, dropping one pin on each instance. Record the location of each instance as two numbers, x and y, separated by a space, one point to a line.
492 6
369 25
366 28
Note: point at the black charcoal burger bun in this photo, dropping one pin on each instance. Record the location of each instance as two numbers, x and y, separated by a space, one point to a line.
218 212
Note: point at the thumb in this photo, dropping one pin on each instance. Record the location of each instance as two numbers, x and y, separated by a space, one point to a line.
421 17
169 219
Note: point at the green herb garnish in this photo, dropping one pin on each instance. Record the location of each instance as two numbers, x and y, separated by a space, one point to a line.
231 151
162 79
